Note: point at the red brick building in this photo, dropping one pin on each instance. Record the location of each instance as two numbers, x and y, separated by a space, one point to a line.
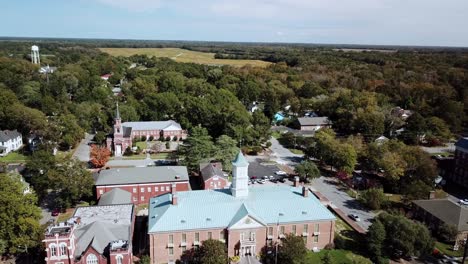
142 182
124 133
94 235
213 176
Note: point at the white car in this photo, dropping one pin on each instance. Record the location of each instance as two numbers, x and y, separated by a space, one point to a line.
281 173
261 181
355 217
271 177
463 201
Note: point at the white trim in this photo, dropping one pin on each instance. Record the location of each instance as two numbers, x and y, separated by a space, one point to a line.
144 184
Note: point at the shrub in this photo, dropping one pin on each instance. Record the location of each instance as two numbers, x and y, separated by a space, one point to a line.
151 138
128 151
168 138
143 138
373 198
234 259
268 144
161 138
168 145
175 138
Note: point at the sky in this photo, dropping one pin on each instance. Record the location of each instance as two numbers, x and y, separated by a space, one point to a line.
383 22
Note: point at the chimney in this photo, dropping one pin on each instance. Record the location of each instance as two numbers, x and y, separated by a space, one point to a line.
305 192
174 194
296 181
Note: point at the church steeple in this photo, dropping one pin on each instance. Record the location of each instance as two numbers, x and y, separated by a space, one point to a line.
117 113
117 122
240 176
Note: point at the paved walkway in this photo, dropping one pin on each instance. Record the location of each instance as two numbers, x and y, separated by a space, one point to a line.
249 260
83 149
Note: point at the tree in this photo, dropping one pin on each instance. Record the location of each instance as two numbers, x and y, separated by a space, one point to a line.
327 258
292 250
197 148
213 252
260 132
307 170
373 198
226 150
19 217
375 240
99 156
447 232
37 167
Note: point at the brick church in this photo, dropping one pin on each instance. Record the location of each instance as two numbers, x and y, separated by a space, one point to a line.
124 133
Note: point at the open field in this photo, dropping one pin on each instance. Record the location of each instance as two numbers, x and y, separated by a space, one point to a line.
182 55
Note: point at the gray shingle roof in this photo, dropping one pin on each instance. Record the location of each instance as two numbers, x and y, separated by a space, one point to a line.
209 170
153 125
6 135
313 121
447 211
142 175
115 196
462 143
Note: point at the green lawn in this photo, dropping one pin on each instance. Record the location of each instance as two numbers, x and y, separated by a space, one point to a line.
338 256
296 151
276 134
14 157
448 249
141 144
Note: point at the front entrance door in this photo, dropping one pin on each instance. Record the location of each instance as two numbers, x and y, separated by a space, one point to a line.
118 150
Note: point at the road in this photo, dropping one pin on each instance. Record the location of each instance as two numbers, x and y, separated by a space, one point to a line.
83 149
450 147
328 187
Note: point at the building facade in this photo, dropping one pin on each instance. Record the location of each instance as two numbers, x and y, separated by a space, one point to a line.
249 220
213 176
10 140
94 235
142 182
460 172
124 133
313 123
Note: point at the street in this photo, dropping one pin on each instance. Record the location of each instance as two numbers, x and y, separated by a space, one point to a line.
83 149
282 155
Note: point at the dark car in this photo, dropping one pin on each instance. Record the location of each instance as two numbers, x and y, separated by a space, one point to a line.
274 180
281 180
253 177
56 212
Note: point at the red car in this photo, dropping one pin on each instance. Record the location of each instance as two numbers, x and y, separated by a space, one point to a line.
56 212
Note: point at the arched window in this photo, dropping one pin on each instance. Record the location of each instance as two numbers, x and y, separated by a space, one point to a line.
119 259
91 259
63 249
53 250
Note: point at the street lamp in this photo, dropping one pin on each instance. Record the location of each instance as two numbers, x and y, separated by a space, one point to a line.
277 233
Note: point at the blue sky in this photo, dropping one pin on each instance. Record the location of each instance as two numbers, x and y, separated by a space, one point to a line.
390 22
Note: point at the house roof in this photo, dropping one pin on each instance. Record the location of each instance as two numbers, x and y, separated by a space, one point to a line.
142 175
6 135
101 225
218 208
153 125
447 211
462 143
209 170
115 196
240 160
313 121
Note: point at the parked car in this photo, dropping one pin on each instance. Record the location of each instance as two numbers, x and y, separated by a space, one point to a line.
281 173
56 212
355 217
463 202
253 177
252 181
261 181
265 177
282 180
274 180
271 177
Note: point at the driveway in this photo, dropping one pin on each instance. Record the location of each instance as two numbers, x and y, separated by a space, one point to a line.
330 188
83 149
282 155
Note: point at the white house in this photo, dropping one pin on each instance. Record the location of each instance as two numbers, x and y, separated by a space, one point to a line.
10 140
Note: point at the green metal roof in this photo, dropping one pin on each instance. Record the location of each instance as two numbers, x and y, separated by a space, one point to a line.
240 160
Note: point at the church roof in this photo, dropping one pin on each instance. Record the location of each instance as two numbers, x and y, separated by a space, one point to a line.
153 125
240 160
219 209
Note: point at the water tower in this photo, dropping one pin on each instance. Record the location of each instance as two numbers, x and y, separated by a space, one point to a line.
35 58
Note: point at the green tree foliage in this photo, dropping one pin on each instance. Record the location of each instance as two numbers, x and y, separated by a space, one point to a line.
373 198
307 170
212 252
292 250
19 218
447 232
403 237
198 147
226 150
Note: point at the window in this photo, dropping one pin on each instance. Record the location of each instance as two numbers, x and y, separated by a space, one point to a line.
210 235
63 249
134 190
317 228
306 228
196 247
167 188
184 238
221 234
305 239
197 237
315 239
101 192
142 189
183 248
135 199
53 250
293 229
119 259
171 251
281 230
156 189
171 239
142 198
270 231
91 259
252 236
